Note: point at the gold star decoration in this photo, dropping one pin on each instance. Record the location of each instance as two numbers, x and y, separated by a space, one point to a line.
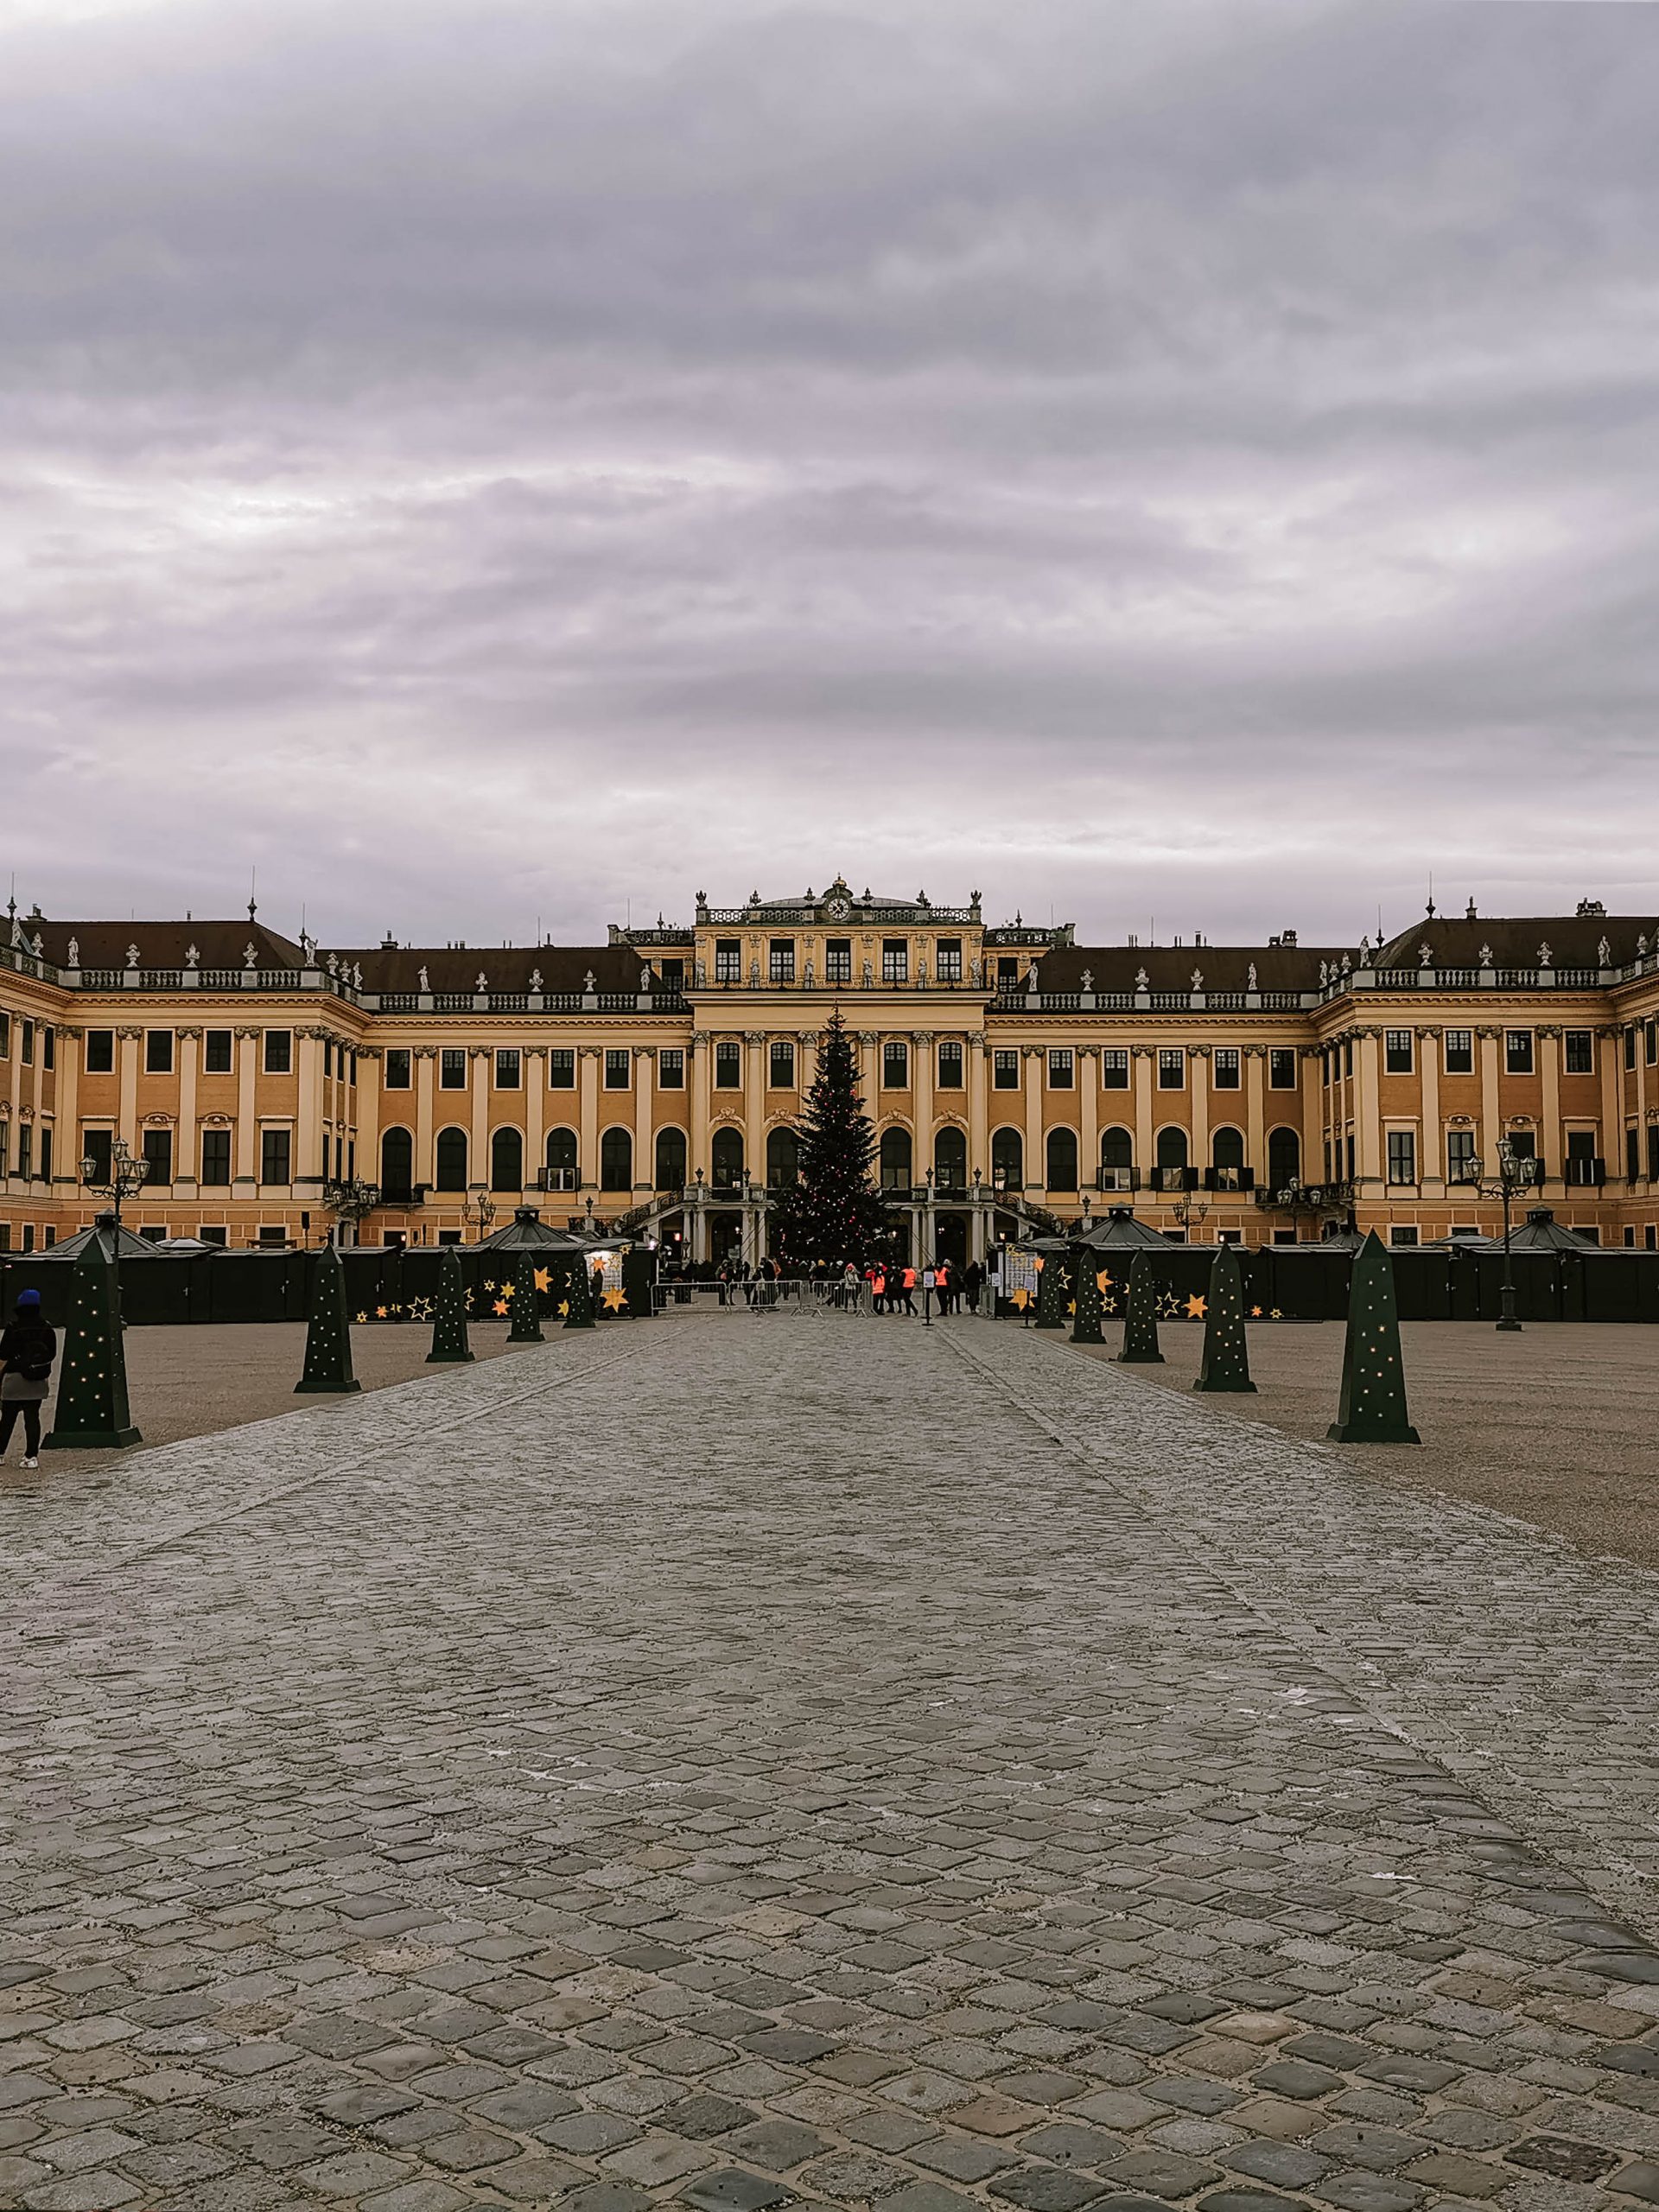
1196 1309
614 1300
379 1313
1102 1281
564 1307
500 1308
1022 1299
1071 1306
364 1317
1276 1315
1256 1312
543 1279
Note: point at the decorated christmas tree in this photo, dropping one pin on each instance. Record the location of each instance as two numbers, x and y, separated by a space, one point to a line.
1085 1310
1373 1405
1141 1320
833 1212
329 1338
526 1327
92 1414
1051 1291
1226 1363
449 1322
579 1295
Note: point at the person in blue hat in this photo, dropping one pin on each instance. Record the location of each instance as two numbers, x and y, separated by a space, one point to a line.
28 1349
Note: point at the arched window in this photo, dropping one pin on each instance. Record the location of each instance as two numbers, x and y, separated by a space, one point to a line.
562 1160
1007 1160
452 1160
616 1160
1284 1158
396 1163
1227 1148
895 1159
671 1160
1172 1148
782 1158
950 1160
506 1160
726 1158
1116 1149
1062 1159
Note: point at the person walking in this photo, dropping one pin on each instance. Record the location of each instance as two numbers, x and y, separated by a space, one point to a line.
972 1281
906 1291
28 1349
849 1288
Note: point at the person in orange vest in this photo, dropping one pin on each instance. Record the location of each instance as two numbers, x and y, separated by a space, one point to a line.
907 1286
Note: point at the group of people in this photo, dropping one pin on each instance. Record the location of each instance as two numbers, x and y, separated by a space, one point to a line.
892 1284
27 1348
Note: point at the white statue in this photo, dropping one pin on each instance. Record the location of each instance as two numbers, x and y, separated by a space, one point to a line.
191 955
1197 979
1604 954
75 952
1324 973
1088 979
357 975
1485 956
1141 979
421 978
1546 957
250 954
588 980
644 981
307 949
535 978
1424 955
973 976
333 964
132 956
483 982
1249 977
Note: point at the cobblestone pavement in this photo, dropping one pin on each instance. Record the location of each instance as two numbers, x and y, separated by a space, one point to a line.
741 1760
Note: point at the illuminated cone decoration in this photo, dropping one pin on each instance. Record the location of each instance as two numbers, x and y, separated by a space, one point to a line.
329 1338
1085 1321
1051 1291
449 1322
92 1414
1141 1320
1226 1363
526 1321
579 1293
1373 1406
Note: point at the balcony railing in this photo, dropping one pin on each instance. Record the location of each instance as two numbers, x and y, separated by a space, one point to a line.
1583 1173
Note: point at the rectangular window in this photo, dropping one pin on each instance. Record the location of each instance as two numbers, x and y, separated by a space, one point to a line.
1225 1067
158 1151
1579 1051
29 1044
216 1156
216 1051
729 960
95 1149
1402 1233
272 1234
1060 1068
671 1069
100 1052
400 1068
158 1052
213 1232
1459 1052
1115 1068
1396 1051
1402 1155
1629 1048
507 1069
327 1057
949 956
1632 1155
949 1065
780 960
1651 1045
26 1153
895 1065
1281 1068
1518 1052
275 1146
561 1068
1172 1067
452 1068
279 1052
895 960
49 1046
672 973
46 1154
1347 1056
1653 1151
780 1071
5 1047
1460 1156
729 1066
1007 971
1005 1070
618 1068
839 960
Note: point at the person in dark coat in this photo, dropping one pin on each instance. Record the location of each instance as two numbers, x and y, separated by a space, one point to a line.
972 1281
27 1350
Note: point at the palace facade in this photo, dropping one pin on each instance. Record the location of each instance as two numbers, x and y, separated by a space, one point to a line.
1259 1093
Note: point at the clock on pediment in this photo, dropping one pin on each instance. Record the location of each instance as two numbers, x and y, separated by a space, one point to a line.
837 909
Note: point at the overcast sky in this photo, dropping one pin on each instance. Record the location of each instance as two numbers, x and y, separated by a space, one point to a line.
478 462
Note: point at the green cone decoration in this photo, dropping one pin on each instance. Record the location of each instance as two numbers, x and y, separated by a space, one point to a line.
92 1414
1226 1363
1373 1406
449 1322
1141 1320
329 1338
526 1327
1050 1293
579 1295
1085 1321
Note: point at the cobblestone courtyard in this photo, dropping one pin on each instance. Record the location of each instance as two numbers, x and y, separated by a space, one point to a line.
740 1760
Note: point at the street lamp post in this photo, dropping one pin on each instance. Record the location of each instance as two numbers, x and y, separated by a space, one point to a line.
478 1211
1515 1171
125 1173
350 1200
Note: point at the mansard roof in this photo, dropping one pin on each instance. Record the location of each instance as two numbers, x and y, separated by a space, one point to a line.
509 968
1171 967
162 944
1515 941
